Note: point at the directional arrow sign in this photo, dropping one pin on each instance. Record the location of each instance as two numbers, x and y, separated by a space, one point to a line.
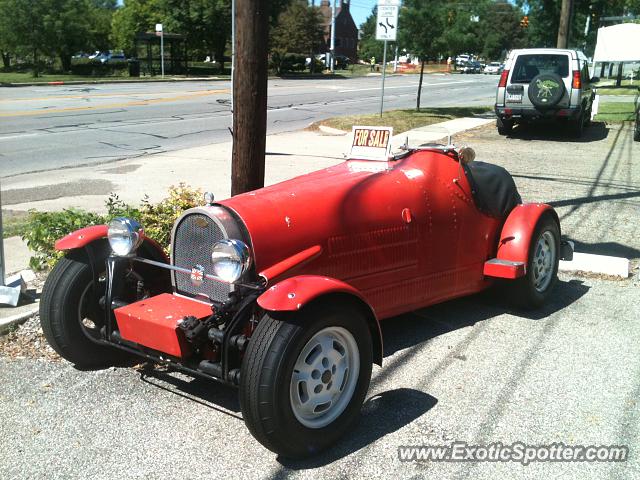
387 23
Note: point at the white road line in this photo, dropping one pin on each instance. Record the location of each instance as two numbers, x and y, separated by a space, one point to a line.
407 86
9 137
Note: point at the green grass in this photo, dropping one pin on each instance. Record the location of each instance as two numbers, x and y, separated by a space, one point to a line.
13 223
616 112
403 120
624 90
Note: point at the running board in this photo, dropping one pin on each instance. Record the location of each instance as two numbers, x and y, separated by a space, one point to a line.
503 269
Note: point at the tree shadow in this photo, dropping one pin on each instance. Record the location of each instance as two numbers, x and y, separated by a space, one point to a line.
381 414
549 131
413 328
613 249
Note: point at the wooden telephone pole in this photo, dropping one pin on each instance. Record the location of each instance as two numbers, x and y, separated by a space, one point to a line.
563 28
249 95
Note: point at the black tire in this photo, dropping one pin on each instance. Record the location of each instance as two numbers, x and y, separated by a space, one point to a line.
67 302
587 117
266 394
546 90
577 126
504 126
525 292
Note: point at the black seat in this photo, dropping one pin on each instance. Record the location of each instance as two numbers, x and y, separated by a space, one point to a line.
493 189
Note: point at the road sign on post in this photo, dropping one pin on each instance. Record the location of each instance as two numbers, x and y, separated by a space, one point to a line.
386 29
160 32
387 23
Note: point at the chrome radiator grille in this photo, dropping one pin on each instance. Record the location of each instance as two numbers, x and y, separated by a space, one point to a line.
194 236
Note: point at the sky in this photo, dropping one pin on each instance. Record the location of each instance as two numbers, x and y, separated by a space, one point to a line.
361 9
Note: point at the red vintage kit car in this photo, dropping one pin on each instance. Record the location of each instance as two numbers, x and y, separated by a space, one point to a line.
281 291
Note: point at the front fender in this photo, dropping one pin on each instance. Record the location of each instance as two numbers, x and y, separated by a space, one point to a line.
292 294
85 236
515 238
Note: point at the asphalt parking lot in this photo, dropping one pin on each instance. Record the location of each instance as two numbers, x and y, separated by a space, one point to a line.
471 370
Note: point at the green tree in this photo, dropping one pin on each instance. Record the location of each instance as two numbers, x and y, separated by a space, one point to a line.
206 25
544 17
133 17
422 27
52 27
500 30
368 45
298 30
22 26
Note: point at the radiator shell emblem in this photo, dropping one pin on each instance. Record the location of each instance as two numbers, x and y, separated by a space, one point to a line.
197 275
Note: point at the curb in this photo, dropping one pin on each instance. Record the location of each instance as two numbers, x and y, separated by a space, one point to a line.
599 264
7 323
104 82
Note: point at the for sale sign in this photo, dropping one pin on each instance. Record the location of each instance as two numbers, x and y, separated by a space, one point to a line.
371 143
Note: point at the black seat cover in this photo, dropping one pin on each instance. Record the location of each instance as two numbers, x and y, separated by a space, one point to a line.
493 188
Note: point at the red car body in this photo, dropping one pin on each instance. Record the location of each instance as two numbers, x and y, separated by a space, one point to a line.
398 235
372 238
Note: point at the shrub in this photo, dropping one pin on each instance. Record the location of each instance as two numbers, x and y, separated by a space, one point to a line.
95 68
42 229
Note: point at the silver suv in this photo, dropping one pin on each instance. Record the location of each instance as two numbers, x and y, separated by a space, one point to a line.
544 84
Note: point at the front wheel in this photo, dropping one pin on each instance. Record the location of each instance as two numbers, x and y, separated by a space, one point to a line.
532 290
71 317
304 379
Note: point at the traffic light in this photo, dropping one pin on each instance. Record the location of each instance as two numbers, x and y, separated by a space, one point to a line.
524 23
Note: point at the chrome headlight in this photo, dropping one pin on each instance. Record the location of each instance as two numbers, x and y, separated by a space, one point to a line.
125 236
231 259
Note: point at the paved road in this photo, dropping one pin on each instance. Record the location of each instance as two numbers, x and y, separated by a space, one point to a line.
468 370
45 127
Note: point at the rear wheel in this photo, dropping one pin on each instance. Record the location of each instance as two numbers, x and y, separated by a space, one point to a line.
504 126
577 126
532 290
304 380
71 317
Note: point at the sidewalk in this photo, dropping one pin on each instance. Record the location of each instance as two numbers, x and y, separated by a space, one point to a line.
208 168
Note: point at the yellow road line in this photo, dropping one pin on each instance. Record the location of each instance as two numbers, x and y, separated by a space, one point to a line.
134 103
92 95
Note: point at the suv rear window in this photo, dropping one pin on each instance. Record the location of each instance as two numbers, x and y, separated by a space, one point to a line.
528 66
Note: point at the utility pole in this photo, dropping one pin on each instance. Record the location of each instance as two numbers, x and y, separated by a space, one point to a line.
250 95
563 28
333 36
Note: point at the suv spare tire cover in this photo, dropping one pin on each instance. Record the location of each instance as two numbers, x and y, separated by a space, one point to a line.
546 90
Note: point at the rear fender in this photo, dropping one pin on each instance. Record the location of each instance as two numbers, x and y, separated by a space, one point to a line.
515 238
293 294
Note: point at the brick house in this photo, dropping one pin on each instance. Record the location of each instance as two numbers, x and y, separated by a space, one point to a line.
346 29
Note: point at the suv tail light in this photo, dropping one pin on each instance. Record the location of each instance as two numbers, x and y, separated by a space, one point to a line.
577 83
503 79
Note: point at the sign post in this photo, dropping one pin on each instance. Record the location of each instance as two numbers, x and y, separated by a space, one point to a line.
386 29
160 33
2 262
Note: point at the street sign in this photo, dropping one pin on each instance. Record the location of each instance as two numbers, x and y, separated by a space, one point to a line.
158 27
387 23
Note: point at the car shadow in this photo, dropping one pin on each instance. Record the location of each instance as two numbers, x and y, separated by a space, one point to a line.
380 416
381 413
413 328
219 397
550 132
